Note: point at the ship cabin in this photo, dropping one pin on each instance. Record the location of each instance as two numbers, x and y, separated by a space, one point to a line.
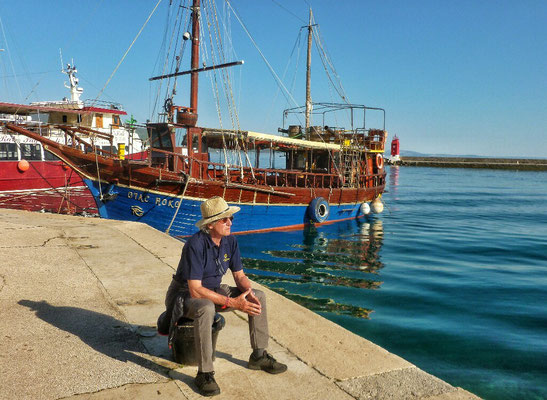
67 122
321 156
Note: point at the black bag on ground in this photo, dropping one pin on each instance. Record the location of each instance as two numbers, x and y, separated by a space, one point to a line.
181 339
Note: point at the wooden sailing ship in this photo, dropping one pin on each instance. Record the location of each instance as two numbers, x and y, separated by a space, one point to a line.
330 173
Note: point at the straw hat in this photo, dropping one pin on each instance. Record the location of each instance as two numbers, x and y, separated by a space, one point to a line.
214 209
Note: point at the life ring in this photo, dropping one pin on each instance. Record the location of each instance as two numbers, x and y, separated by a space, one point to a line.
379 161
318 210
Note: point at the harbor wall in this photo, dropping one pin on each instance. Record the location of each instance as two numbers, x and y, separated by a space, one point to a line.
472 162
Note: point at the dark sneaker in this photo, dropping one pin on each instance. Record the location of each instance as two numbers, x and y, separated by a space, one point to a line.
266 363
207 386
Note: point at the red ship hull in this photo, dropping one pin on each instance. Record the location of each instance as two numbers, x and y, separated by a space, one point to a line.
48 186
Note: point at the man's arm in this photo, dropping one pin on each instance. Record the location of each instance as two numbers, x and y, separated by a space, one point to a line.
198 291
244 284
241 302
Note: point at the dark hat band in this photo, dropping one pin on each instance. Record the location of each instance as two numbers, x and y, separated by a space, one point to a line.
217 214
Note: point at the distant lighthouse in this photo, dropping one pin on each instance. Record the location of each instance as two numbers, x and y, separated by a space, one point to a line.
395 158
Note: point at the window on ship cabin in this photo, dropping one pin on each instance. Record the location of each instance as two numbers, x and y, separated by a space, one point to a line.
204 147
115 121
8 151
65 119
49 156
111 149
31 151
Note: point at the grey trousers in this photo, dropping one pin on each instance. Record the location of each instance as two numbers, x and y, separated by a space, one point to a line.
202 311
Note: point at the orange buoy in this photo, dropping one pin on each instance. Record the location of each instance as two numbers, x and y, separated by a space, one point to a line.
23 165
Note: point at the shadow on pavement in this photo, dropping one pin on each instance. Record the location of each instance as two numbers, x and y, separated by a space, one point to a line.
232 359
101 332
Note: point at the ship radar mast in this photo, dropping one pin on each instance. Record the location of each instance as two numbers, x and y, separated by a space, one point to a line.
75 90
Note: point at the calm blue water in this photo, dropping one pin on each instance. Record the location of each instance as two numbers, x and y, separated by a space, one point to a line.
452 276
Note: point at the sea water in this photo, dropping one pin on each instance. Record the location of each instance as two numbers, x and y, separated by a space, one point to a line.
452 276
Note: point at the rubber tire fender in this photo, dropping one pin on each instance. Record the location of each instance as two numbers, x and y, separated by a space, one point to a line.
318 210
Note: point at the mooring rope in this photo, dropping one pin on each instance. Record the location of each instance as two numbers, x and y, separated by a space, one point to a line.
180 202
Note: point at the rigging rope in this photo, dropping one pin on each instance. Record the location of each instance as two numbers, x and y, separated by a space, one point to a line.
214 84
326 63
98 172
278 80
214 28
297 45
127 51
176 16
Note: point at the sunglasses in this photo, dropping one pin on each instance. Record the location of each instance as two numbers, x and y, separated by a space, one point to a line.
226 219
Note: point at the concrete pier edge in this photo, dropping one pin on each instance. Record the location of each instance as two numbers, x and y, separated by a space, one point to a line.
80 298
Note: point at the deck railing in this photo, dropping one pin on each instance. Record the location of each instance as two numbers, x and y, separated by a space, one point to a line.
207 170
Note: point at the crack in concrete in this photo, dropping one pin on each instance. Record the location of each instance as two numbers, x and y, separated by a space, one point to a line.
145 248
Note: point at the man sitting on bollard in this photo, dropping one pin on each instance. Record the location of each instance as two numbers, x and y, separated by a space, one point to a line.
205 258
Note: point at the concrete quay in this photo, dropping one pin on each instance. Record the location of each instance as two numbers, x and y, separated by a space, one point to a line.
80 298
472 162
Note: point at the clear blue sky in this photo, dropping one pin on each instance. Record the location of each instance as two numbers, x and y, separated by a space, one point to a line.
455 77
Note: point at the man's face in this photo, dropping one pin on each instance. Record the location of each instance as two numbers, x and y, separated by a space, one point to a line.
221 227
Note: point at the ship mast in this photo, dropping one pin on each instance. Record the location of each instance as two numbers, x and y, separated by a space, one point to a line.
189 115
308 79
195 58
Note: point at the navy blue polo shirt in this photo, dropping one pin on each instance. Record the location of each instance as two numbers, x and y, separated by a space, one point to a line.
202 260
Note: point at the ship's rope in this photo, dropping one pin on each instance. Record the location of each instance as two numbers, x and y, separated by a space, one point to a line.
286 93
180 202
214 28
177 24
289 11
231 101
97 166
221 50
327 63
177 59
127 51
54 189
298 47
64 197
6 45
215 85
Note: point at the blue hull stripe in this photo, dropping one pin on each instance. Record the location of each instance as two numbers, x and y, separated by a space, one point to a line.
157 210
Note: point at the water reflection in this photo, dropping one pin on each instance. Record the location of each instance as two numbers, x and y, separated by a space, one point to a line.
311 266
393 179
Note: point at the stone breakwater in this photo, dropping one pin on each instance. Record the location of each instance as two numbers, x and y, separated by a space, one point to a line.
471 162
